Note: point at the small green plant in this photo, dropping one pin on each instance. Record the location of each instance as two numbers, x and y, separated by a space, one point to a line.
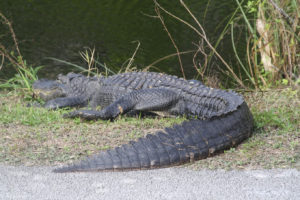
94 66
23 79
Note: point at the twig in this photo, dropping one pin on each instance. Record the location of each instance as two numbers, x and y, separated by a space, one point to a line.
289 20
6 21
195 64
4 53
168 56
201 35
249 61
200 50
2 61
133 55
171 38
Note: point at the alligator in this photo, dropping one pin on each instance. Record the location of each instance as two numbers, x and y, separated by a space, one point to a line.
216 119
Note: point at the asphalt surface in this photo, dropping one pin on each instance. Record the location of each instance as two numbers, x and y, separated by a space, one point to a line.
171 183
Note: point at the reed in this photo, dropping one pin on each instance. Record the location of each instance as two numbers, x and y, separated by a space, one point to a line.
273 41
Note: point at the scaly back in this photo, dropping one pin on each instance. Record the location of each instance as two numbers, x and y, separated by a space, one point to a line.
201 101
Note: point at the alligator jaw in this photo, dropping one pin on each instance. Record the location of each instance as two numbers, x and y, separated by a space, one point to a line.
48 89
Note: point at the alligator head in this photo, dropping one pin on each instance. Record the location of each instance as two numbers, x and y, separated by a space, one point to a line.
49 89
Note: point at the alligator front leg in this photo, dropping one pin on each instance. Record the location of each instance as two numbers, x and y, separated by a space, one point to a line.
138 100
65 102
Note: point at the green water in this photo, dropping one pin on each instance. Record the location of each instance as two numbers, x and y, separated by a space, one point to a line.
62 28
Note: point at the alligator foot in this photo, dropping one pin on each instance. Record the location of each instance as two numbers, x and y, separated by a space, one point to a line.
85 114
106 114
65 102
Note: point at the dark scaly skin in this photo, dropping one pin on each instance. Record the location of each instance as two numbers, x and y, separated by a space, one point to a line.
218 119
67 91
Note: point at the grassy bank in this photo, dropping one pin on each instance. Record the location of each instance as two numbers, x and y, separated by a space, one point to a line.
35 136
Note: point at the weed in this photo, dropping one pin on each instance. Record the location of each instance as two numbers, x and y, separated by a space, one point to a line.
272 54
201 32
26 74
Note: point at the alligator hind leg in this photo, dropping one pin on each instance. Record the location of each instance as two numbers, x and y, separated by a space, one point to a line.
138 100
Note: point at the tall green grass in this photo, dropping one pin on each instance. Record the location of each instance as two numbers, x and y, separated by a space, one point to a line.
273 43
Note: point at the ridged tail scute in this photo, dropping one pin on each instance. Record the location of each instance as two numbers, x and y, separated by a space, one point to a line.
189 141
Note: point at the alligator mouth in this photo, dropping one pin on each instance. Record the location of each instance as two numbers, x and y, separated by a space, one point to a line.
47 90
47 95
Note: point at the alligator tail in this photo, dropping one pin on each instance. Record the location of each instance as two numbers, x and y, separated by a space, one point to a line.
186 142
